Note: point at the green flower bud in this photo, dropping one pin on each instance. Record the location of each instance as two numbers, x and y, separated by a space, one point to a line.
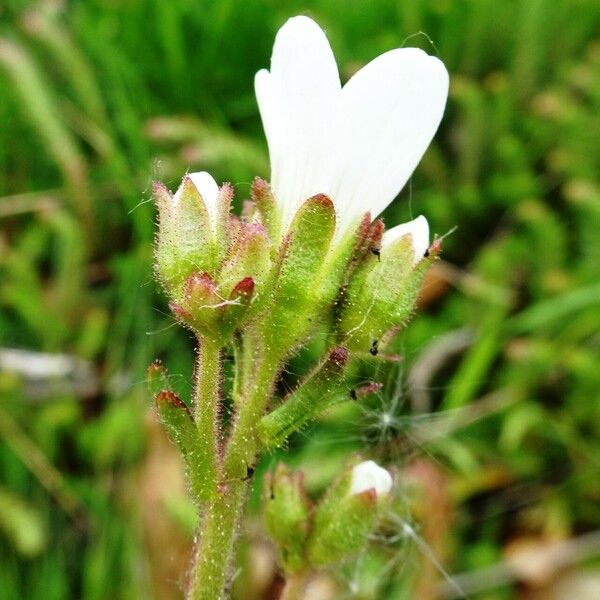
382 291
212 265
209 313
286 514
348 513
186 240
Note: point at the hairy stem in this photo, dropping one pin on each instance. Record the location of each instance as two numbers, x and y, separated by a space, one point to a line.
243 444
224 509
214 546
206 408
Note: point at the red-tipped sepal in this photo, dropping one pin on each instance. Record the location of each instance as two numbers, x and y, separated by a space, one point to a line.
178 423
264 202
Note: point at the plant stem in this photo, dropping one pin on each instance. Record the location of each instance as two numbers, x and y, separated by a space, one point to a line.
206 407
243 444
214 547
223 511
294 586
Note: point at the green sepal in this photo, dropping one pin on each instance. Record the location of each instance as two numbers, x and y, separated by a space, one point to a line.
265 203
344 258
207 312
157 378
223 221
324 387
185 241
235 313
380 295
200 303
249 256
297 295
180 427
343 522
286 514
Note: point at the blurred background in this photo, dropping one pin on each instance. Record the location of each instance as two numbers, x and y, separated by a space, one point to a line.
492 418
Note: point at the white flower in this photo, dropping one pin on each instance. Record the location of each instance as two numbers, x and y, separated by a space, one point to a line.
358 143
369 475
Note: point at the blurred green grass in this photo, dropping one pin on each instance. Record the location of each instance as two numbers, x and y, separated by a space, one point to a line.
100 97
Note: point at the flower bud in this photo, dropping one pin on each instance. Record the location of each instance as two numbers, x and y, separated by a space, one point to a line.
382 291
186 234
286 514
349 512
211 264
369 475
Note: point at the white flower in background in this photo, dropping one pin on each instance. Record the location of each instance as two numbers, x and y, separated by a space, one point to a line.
358 143
369 475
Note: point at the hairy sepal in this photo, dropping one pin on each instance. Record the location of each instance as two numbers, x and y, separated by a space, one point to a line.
297 293
178 423
286 514
265 204
208 312
380 295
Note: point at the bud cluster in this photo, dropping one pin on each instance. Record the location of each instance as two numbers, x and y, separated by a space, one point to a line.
222 272
211 264
312 536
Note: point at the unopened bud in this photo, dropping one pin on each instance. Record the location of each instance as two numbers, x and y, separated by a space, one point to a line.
369 475
348 514
286 514
381 293
187 229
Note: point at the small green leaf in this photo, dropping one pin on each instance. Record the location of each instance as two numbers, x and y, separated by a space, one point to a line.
178 423
324 387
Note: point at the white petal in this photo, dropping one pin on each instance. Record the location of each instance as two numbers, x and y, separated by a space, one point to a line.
269 112
389 113
297 102
209 190
418 229
369 475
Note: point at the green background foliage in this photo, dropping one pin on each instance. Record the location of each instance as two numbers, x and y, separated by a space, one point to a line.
497 392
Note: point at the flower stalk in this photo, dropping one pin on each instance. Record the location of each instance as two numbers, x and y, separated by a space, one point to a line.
206 406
